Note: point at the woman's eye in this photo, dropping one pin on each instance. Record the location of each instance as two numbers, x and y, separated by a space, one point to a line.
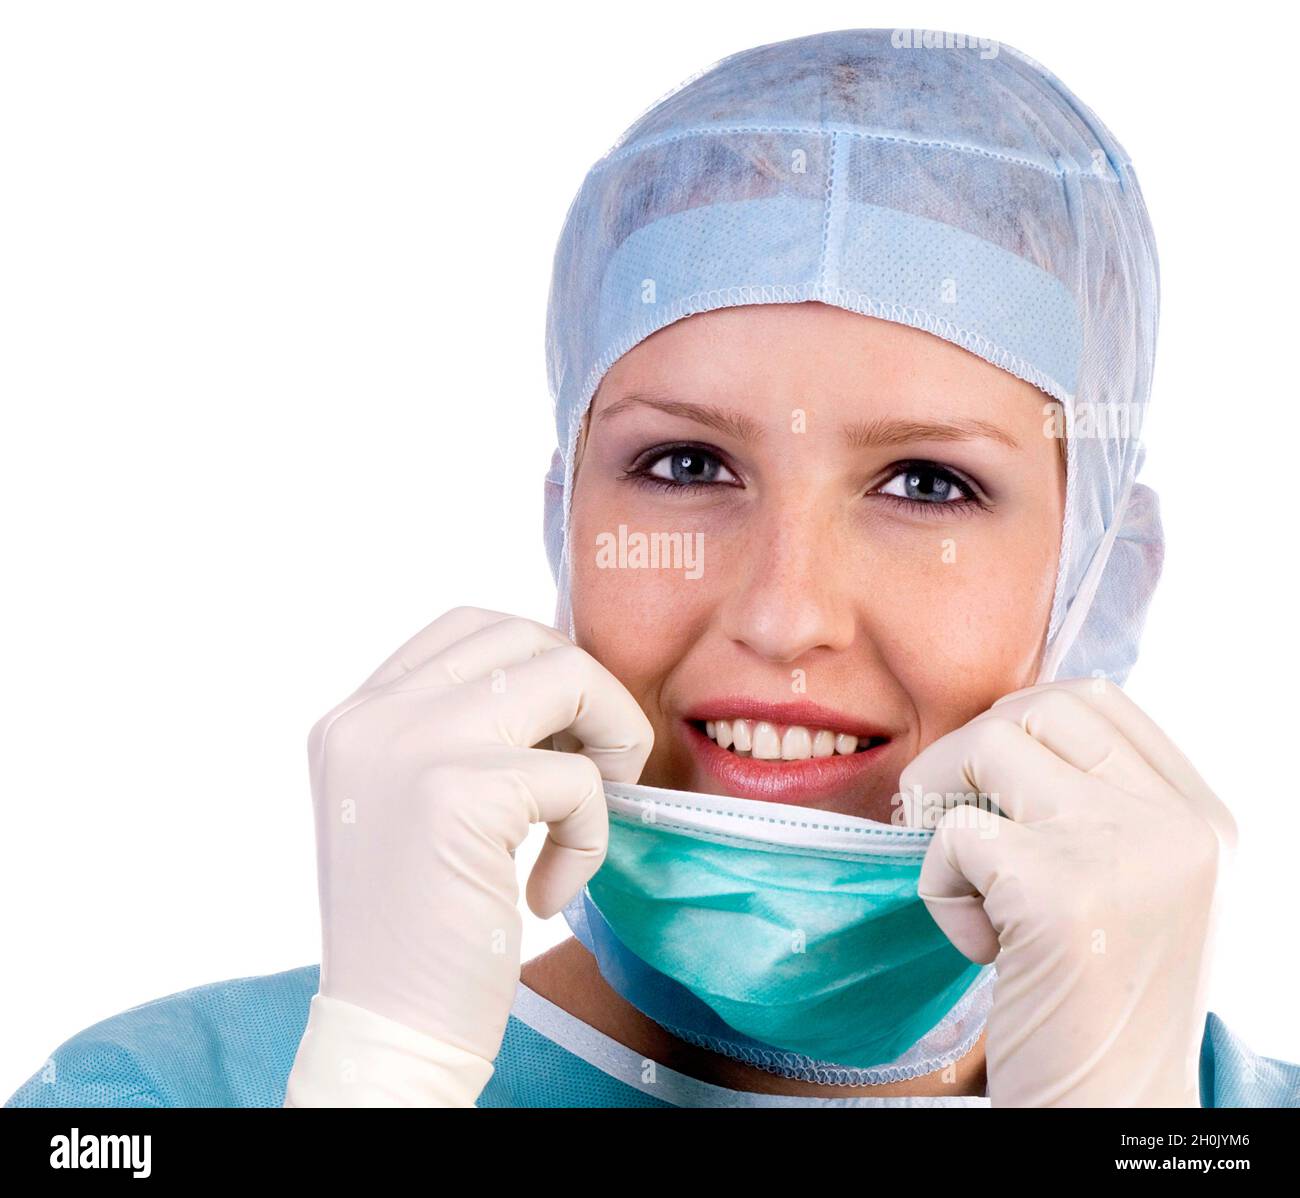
689 467
925 484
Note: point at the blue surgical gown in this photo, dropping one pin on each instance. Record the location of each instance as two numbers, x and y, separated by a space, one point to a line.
232 1044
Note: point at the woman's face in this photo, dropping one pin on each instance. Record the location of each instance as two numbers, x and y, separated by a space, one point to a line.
823 538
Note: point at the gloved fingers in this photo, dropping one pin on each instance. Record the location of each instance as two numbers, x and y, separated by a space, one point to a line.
493 647
971 847
992 762
1085 736
566 689
1150 741
484 801
446 630
569 797
961 918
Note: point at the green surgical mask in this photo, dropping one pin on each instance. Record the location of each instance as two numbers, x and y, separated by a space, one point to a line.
799 929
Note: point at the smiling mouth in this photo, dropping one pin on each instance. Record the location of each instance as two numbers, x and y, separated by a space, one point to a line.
759 740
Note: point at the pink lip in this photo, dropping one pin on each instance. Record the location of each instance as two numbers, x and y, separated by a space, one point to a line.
800 783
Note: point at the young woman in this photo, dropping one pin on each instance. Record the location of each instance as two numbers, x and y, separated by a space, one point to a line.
849 340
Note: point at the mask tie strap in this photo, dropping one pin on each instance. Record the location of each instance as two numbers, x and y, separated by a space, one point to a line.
1082 604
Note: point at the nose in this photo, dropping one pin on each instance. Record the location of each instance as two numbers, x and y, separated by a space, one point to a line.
790 596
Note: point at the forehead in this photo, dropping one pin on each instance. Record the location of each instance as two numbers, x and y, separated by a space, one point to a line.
769 359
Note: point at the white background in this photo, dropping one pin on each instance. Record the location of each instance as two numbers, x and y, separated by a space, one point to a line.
272 287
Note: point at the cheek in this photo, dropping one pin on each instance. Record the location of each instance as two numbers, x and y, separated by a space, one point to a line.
636 618
960 617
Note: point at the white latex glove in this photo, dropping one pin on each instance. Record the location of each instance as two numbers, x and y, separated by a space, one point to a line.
424 782
1094 889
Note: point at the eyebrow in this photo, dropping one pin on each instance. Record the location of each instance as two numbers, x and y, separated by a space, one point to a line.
724 420
881 432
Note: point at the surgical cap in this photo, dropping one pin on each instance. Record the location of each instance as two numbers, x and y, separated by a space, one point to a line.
946 183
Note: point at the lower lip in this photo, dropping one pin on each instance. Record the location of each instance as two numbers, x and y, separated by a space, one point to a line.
797 782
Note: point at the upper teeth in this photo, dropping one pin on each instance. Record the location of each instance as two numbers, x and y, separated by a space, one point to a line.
773 742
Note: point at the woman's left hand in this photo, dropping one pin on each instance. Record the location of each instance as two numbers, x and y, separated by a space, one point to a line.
1092 881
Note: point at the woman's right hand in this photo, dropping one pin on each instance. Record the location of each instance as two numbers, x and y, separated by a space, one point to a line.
425 781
